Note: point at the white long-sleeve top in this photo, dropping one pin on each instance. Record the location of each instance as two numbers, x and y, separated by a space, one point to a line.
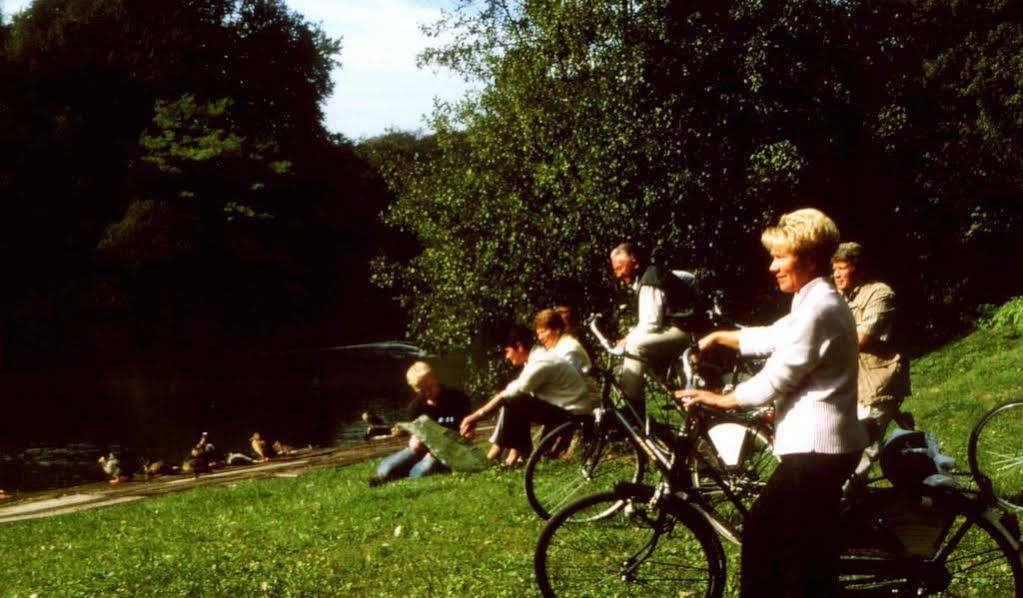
570 349
549 377
810 373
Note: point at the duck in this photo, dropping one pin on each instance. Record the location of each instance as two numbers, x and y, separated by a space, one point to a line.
376 428
157 468
238 459
282 449
260 448
207 451
195 464
372 419
112 467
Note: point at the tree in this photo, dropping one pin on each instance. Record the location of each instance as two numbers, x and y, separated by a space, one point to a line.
165 168
689 126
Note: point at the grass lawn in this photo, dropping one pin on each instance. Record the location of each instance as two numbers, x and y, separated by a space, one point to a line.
328 534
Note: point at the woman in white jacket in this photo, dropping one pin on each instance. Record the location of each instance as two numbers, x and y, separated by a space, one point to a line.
789 546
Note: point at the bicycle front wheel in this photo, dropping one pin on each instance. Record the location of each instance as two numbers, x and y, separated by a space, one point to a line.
996 451
571 462
638 551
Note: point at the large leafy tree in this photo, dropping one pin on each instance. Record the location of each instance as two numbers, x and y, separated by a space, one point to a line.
688 126
165 168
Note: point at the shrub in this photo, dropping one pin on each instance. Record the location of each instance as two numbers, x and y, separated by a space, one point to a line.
1007 319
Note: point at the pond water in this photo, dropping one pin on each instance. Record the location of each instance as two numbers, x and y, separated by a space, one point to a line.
56 424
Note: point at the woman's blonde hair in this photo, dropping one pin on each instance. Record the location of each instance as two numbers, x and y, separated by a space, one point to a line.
807 233
416 372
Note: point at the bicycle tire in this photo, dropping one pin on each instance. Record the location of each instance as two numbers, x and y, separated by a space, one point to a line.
995 452
565 466
640 550
958 553
745 469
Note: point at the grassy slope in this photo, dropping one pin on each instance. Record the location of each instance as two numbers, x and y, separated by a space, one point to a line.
328 534
955 385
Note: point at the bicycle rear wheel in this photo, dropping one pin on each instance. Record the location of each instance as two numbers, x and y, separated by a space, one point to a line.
919 552
996 451
638 551
569 463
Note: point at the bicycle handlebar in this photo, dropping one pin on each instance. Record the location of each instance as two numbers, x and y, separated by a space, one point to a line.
617 351
687 366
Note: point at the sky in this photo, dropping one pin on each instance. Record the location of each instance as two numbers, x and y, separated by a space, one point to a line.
378 85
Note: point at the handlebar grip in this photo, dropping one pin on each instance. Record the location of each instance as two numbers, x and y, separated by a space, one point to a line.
600 336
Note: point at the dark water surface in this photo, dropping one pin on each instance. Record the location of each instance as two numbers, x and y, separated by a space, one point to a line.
55 424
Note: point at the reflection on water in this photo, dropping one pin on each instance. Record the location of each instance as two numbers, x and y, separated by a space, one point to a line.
56 424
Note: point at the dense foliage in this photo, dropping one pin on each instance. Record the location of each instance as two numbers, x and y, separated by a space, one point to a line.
687 126
167 181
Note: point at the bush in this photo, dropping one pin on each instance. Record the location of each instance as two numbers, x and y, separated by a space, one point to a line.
1007 319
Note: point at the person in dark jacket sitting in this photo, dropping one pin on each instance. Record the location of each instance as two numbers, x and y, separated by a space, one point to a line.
442 404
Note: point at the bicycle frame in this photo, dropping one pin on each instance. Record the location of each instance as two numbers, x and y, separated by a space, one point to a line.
672 459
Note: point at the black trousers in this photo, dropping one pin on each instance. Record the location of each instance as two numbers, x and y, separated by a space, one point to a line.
516 415
790 543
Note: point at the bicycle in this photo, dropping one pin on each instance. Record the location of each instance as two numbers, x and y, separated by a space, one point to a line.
593 453
995 453
664 539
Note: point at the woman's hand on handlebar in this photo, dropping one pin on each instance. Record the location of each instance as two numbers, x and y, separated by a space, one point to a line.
705 397
727 338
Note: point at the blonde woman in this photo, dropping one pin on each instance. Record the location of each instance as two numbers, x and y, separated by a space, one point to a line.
810 375
442 404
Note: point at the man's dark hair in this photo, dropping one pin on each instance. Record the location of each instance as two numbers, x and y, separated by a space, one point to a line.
519 335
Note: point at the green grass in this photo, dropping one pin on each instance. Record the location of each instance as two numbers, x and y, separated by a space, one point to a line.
324 533
955 385
327 534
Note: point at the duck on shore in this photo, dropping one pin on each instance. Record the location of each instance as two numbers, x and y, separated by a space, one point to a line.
377 428
112 467
158 468
195 465
262 451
